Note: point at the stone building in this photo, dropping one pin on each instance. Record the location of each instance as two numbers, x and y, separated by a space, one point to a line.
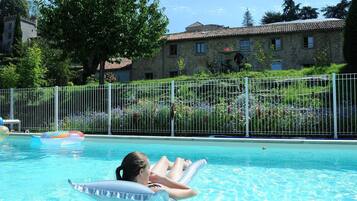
218 48
28 28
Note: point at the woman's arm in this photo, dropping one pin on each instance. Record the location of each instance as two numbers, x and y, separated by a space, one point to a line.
167 182
178 194
175 193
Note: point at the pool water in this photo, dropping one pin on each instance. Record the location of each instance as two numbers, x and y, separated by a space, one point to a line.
235 171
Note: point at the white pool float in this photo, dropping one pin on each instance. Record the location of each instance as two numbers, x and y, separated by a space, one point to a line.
126 190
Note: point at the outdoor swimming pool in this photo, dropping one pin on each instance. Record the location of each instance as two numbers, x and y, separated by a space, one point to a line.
235 171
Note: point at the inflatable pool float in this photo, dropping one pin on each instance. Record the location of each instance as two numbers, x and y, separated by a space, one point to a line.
4 132
61 138
126 190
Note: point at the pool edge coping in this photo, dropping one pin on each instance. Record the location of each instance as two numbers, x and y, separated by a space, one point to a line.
208 139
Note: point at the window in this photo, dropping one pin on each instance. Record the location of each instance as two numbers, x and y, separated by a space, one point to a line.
200 48
173 73
276 43
149 76
9 36
173 50
277 65
244 45
309 42
9 26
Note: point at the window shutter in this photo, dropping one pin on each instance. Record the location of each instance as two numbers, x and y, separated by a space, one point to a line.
311 42
305 42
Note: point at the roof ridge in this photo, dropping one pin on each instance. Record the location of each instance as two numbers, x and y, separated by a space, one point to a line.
261 29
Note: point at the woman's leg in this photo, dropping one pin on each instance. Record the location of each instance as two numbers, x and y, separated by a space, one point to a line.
161 167
176 170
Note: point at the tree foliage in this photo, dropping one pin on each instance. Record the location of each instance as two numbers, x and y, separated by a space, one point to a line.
96 31
339 11
271 17
264 58
30 69
290 10
8 76
181 65
57 64
17 41
307 12
14 7
322 57
248 19
350 42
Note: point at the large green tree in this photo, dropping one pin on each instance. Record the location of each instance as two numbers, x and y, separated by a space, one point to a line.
308 12
17 40
271 17
14 7
57 64
350 40
95 31
290 10
30 69
247 19
339 10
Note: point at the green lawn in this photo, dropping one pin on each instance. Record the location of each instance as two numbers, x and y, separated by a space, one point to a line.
334 68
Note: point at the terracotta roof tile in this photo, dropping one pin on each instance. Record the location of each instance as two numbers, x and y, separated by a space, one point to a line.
116 66
284 27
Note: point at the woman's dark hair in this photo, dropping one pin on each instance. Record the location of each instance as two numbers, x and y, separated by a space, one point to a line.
131 166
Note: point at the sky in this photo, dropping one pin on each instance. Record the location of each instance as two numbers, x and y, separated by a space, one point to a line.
182 13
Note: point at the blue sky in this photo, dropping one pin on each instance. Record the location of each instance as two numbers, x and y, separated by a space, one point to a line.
182 13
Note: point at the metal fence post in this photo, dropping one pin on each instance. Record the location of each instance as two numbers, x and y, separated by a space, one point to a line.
109 109
246 106
11 106
334 99
172 108
56 108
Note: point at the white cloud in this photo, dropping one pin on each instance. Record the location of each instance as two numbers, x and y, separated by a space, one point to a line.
181 9
218 11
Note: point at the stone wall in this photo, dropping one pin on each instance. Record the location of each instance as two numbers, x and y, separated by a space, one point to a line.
28 31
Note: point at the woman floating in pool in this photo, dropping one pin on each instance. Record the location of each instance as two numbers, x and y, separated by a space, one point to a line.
136 167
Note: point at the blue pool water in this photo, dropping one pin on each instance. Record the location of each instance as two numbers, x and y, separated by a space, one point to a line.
235 171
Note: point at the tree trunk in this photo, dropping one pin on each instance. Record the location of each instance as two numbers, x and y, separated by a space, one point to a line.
101 72
90 66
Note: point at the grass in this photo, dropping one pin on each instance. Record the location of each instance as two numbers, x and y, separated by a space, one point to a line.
334 68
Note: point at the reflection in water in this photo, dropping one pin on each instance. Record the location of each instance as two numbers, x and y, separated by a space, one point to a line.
23 150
